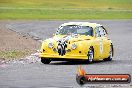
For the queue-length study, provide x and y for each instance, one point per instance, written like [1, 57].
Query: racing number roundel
[101, 46]
[101, 39]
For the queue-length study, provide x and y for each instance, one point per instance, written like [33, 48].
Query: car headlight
[50, 45]
[73, 46]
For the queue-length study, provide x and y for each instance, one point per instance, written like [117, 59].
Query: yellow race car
[77, 41]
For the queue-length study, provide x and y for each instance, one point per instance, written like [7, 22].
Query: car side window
[98, 32]
[102, 31]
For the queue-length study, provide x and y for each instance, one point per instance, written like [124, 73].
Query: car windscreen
[75, 29]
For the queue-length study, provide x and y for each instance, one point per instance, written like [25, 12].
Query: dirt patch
[14, 45]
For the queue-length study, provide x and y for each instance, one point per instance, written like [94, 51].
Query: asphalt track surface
[62, 74]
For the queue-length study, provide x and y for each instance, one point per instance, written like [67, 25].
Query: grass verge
[64, 14]
[14, 54]
[65, 9]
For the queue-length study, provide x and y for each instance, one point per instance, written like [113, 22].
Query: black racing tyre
[45, 61]
[110, 54]
[90, 55]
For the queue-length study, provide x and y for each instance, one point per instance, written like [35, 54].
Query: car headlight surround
[50, 45]
[73, 46]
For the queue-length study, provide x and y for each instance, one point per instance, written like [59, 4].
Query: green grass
[65, 9]
[64, 14]
[12, 54]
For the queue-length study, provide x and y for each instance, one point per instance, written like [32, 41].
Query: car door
[104, 44]
[98, 45]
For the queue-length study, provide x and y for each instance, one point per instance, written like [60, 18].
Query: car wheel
[110, 54]
[45, 61]
[90, 55]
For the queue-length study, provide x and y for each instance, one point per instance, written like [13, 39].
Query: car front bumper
[64, 57]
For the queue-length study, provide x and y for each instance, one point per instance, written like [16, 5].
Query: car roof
[82, 24]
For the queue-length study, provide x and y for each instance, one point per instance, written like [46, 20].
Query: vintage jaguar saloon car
[77, 41]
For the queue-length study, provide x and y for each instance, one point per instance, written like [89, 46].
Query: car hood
[69, 38]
